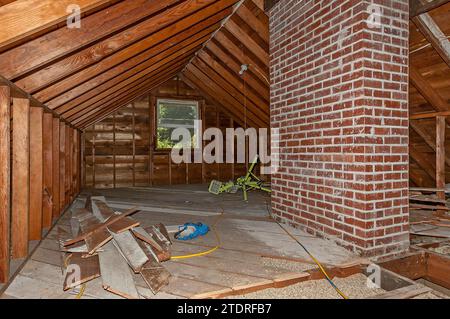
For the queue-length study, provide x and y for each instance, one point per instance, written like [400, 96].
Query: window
[173, 114]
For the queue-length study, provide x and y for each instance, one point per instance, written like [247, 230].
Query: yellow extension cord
[83, 287]
[322, 269]
[207, 252]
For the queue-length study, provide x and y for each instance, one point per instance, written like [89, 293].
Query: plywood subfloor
[254, 250]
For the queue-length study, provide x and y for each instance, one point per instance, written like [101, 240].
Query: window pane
[173, 114]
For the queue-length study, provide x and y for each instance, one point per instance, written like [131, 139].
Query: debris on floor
[113, 246]
[444, 250]
[355, 287]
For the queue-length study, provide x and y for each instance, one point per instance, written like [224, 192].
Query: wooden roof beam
[220, 95]
[251, 108]
[417, 7]
[47, 48]
[250, 78]
[123, 90]
[211, 99]
[208, 16]
[431, 31]
[101, 115]
[23, 18]
[88, 88]
[248, 41]
[88, 56]
[131, 75]
[234, 80]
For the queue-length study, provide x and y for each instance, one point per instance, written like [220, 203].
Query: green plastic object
[247, 183]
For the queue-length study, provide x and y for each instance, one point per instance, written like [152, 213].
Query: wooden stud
[36, 173]
[20, 177]
[47, 198]
[440, 155]
[62, 166]
[5, 181]
[56, 207]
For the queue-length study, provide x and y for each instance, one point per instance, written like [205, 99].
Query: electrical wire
[322, 269]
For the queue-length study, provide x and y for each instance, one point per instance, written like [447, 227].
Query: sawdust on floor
[445, 249]
[287, 264]
[355, 287]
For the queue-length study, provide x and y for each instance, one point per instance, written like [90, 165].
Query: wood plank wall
[120, 150]
[29, 205]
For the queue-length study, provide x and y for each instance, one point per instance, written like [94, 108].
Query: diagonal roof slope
[123, 50]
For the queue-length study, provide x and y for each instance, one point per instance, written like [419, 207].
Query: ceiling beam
[63, 41]
[416, 7]
[23, 18]
[131, 66]
[124, 90]
[97, 117]
[208, 16]
[132, 74]
[431, 31]
[427, 91]
[100, 50]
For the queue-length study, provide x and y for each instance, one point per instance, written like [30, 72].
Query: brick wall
[339, 96]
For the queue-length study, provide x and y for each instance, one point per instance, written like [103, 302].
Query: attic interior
[341, 178]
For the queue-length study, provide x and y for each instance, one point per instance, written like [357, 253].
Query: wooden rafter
[431, 31]
[130, 77]
[89, 79]
[23, 18]
[124, 98]
[418, 7]
[63, 41]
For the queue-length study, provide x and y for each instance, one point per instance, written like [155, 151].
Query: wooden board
[97, 239]
[116, 274]
[130, 250]
[156, 278]
[110, 221]
[122, 225]
[80, 270]
[142, 234]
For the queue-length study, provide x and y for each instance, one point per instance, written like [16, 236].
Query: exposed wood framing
[47, 198]
[20, 177]
[36, 177]
[23, 18]
[418, 7]
[5, 181]
[434, 35]
[440, 155]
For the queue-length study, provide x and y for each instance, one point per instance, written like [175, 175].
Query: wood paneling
[120, 150]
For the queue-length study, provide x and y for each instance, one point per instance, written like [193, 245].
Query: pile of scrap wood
[113, 246]
[429, 213]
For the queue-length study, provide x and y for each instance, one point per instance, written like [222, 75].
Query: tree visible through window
[173, 114]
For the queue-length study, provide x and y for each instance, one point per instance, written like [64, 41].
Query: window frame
[180, 100]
